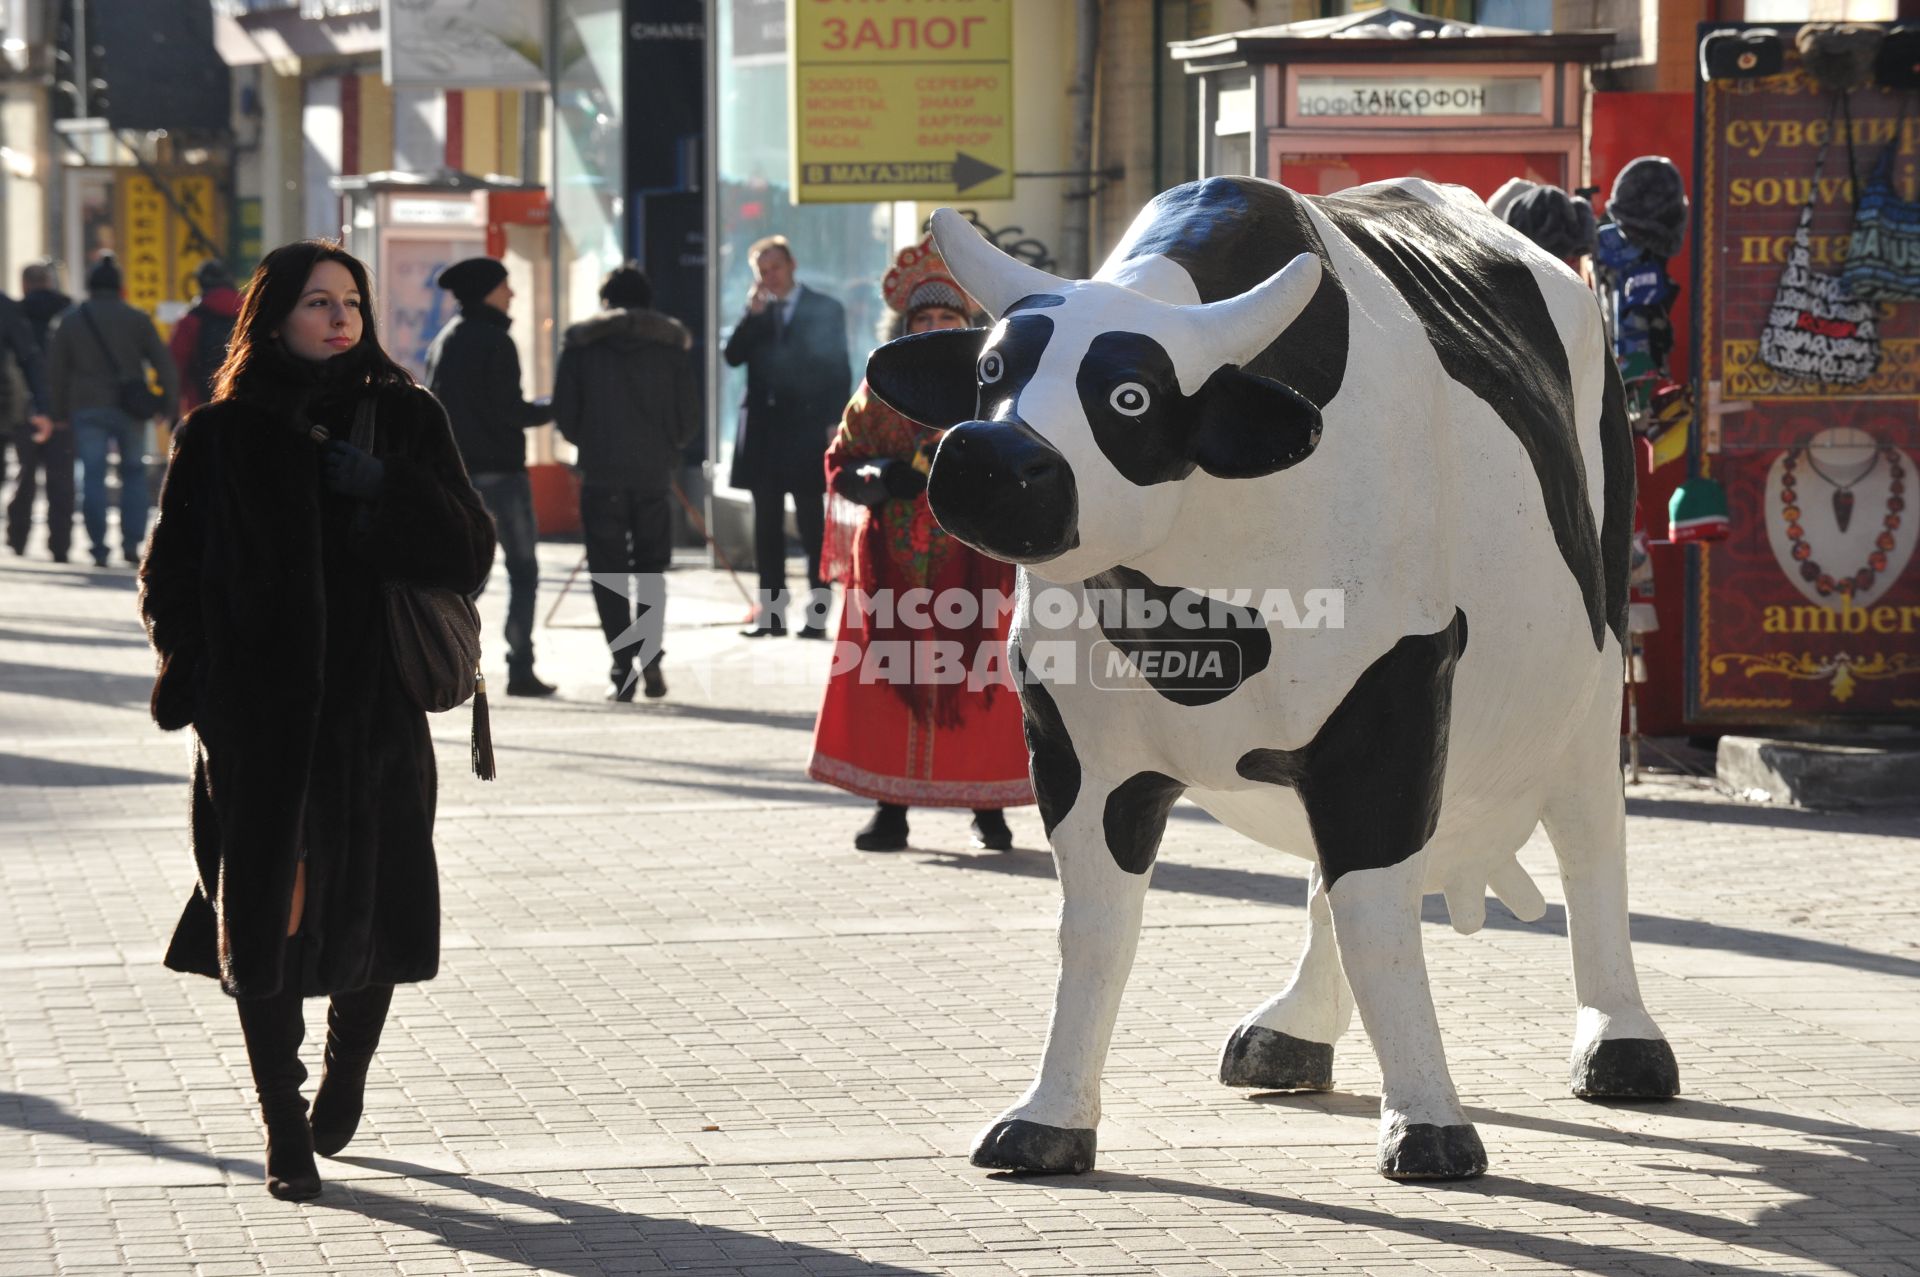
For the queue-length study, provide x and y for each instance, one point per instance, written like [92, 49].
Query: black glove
[904, 483]
[351, 472]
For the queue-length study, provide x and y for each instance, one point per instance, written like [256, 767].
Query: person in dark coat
[793, 341]
[313, 780]
[474, 369]
[23, 385]
[624, 395]
[42, 446]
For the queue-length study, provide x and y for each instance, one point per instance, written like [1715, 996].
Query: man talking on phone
[793, 341]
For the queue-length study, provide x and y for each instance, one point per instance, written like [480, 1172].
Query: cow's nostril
[1034, 469]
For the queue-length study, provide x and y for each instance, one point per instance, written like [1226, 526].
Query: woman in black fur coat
[313, 779]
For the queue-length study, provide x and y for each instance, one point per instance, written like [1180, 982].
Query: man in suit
[793, 341]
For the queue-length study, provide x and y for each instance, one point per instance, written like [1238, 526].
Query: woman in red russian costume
[901, 740]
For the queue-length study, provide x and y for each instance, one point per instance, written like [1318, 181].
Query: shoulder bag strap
[87, 314]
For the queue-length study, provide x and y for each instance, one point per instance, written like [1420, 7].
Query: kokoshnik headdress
[920, 278]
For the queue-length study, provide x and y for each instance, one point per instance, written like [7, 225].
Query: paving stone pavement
[681, 1025]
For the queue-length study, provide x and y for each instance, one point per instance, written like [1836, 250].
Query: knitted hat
[471, 280]
[1554, 220]
[104, 277]
[1649, 204]
[1698, 512]
[920, 279]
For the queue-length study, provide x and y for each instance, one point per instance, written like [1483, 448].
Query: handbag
[1883, 260]
[1815, 329]
[434, 634]
[130, 394]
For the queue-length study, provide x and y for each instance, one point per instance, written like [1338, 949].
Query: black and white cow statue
[1386, 393]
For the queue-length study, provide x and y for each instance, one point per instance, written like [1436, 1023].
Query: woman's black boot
[990, 832]
[354, 1021]
[887, 831]
[273, 1027]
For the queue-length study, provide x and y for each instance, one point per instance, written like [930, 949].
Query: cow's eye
[1130, 399]
[992, 367]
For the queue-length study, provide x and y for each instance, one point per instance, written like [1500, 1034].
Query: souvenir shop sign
[1810, 611]
[901, 99]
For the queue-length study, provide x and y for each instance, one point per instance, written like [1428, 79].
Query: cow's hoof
[1269, 1060]
[1421, 1150]
[1626, 1069]
[1029, 1147]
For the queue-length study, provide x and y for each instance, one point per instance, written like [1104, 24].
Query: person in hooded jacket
[263, 593]
[473, 368]
[624, 395]
[199, 341]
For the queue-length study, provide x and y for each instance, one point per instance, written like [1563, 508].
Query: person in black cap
[474, 370]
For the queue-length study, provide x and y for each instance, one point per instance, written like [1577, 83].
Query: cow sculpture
[1411, 406]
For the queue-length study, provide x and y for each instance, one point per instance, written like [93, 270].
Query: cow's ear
[929, 377]
[1251, 426]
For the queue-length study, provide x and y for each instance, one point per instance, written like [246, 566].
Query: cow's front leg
[1103, 850]
[1618, 1051]
[1287, 1043]
[1424, 1134]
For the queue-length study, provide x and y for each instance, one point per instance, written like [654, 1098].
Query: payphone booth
[1331, 103]
[407, 229]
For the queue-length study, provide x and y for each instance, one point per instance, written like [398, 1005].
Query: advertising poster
[1810, 610]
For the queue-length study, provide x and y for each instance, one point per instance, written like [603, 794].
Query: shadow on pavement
[581, 1240]
[574, 1239]
[1880, 824]
[117, 577]
[1284, 889]
[48, 773]
[107, 639]
[93, 687]
[1829, 1184]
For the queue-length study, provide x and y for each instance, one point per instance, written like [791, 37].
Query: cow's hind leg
[1287, 1043]
[1424, 1133]
[1103, 849]
[1618, 1051]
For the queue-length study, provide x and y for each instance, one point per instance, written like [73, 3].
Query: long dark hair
[271, 295]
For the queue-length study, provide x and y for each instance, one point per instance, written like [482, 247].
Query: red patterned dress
[914, 743]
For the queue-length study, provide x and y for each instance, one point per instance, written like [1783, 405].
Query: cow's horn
[990, 277]
[1241, 327]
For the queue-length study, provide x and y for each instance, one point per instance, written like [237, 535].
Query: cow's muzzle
[1005, 491]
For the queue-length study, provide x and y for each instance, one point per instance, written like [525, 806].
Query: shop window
[840, 249]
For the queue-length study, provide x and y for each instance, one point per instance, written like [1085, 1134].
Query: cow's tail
[1617, 496]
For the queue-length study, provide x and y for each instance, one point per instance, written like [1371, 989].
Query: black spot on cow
[1616, 501]
[1370, 779]
[1489, 324]
[1140, 616]
[1236, 426]
[1054, 766]
[1231, 233]
[1136, 817]
[1036, 301]
[1007, 363]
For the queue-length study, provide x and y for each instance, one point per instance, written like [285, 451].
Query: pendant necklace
[1862, 579]
[1842, 492]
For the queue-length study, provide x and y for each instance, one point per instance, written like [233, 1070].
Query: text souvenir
[1809, 377]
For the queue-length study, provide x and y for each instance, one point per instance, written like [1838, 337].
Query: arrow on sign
[963, 173]
[969, 172]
